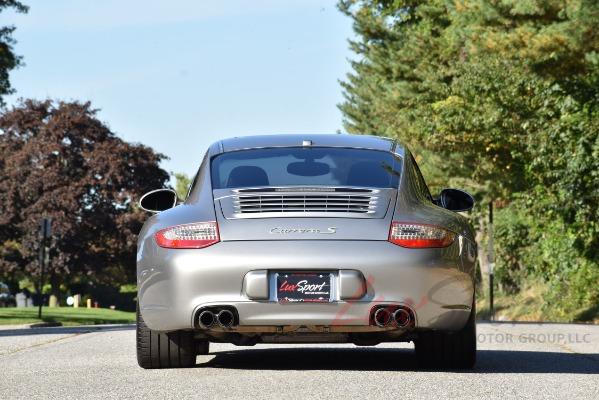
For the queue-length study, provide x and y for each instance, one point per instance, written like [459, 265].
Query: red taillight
[418, 236]
[189, 236]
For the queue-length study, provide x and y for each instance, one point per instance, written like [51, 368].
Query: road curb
[44, 325]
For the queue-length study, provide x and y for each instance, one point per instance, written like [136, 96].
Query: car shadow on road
[373, 359]
[65, 330]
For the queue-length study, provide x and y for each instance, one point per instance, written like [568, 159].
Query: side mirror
[158, 200]
[455, 200]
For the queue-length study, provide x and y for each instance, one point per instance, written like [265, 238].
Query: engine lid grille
[305, 202]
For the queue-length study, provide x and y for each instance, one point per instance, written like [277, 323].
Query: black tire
[164, 350]
[448, 349]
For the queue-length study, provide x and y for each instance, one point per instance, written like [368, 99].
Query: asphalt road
[522, 360]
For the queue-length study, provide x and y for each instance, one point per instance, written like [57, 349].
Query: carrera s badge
[286, 231]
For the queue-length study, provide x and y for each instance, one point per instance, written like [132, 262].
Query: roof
[339, 140]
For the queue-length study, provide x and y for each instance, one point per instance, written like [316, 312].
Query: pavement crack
[51, 341]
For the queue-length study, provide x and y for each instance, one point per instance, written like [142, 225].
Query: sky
[179, 75]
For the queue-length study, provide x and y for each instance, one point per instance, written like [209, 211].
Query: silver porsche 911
[306, 239]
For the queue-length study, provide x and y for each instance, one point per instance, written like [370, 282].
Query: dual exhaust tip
[224, 318]
[399, 317]
[386, 316]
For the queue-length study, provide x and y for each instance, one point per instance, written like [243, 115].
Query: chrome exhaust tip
[402, 318]
[206, 319]
[382, 317]
[225, 318]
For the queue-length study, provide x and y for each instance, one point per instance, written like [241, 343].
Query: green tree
[182, 183]
[505, 94]
[8, 60]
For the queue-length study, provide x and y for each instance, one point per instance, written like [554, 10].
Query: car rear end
[306, 243]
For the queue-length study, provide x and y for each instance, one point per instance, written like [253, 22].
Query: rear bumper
[174, 284]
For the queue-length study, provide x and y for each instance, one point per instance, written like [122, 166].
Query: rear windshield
[300, 166]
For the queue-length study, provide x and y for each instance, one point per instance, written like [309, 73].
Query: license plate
[304, 287]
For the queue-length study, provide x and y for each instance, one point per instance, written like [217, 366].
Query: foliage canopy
[58, 160]
[505, 94]
[8, 59]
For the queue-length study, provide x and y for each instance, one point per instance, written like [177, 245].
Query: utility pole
[44, 255]
[491, 258]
